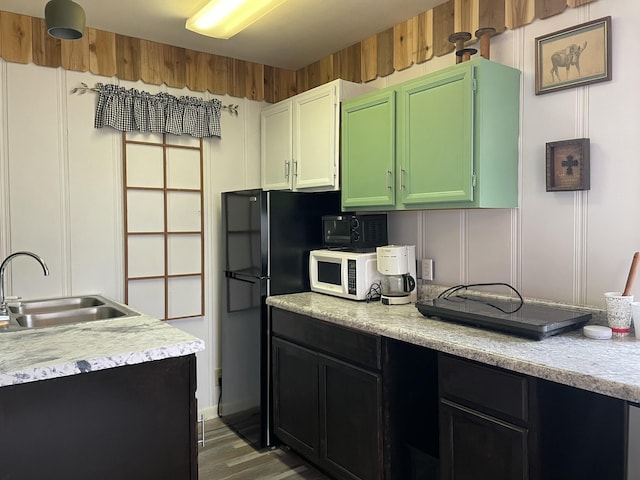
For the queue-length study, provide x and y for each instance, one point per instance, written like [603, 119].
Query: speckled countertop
[610, 367]
[39, 354]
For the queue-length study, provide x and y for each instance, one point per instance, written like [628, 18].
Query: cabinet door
[350, 420]
[368, 150]
[315, 136]
[474, 446]
[295, 396]
[276, 146]
[131, 422]
[435, 135]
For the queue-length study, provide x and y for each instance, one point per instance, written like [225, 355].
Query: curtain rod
[233, 109]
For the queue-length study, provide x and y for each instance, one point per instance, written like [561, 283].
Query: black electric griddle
[530, 320]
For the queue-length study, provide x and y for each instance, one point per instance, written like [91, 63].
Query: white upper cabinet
[300, 145]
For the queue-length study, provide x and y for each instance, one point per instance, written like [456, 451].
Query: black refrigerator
[266, 239]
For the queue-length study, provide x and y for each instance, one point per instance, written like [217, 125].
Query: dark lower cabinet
[496, 424]
[128, 423]
[484, 422]
[583, 435]
[363, 407]
[350, 419]
[476, 446]
[327, 391]
[295, 397]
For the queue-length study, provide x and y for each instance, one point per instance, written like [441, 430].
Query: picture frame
[568, 165]
[574, 57]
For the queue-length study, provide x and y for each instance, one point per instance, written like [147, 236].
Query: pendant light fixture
[65, 19]
[225, 18]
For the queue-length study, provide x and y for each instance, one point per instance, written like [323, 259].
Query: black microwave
[355, 231]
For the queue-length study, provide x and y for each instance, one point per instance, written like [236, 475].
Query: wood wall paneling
[174, 72]
[196, 70]
[491, 14]
[340, 65]
[302, 79]
[424, 37]
[254, 76]
[443, 26]
[128, 58]
[354, 63]
[385, 52]
[287, 83]
[313, 77]
[347, 64]
[75, 54]
[577, 3]
[519, 13]
[326, 70]
[548, 8]
[23, 39]
[47, 51]
[270, 84]
[316, 74]
[369, 58]
[465, 17]
[17, 37]
[218, 74]
[102, 52]
[404, 44]
[151, 62]
[237, 78]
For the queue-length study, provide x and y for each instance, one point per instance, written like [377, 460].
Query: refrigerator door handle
[243, 277]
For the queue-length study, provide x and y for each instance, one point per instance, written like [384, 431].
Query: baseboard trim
[208, 413]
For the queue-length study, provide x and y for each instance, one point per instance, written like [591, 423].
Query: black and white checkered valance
[129, 110]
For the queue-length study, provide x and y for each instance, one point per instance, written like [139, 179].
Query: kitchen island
[103, 399]
[462, 401]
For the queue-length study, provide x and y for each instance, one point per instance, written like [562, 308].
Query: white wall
[61, 193]
[563, 246]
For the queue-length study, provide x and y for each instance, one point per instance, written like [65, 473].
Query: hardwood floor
[226, 456]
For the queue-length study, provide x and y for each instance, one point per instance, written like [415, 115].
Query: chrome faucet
[3, 265]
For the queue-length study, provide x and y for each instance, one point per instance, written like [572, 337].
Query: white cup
[618, 313]
[635, 313]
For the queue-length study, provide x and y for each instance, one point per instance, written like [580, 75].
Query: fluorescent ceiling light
[225, 18]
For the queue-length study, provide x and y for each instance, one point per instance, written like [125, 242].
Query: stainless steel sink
[52, 305]
[33, 320]
[65, 310]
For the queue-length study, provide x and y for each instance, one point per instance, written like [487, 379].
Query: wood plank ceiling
[23, 39]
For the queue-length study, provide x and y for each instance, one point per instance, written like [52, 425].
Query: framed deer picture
[574, 56]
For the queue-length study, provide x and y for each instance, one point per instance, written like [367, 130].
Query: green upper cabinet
[368, 141]
[435, 129]
[452, 142]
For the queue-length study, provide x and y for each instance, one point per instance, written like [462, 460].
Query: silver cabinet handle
[387, 178]
[287, 167]
[402, 178]
[295, 168]
[202, 430]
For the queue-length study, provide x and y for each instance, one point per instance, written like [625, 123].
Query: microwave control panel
[351, 277]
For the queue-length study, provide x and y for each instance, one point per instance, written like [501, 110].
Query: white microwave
[349, 275]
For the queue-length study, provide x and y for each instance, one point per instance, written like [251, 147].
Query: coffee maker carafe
[397, 264]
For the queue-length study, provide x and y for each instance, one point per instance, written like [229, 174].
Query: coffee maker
[397, 264]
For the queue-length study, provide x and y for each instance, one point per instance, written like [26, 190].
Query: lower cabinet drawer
[359, 348]
[484, 388]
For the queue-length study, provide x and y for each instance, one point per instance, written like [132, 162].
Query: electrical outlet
[427, 269]
[218, 376]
